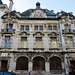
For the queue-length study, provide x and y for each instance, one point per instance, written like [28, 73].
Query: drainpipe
[62, 46]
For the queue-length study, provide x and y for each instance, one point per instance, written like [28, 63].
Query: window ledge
[38, 48]
[54, 48]
[5, 48]
[23, 48]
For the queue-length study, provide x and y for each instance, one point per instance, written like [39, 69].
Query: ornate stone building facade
[37, 40]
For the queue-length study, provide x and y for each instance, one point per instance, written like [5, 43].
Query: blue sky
[56, 5]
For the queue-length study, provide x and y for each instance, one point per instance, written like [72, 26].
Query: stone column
[11, 63]
[30, 28]
[14, 66]
[66, 64]
[30, 66]
[47, 68]
[62, 63]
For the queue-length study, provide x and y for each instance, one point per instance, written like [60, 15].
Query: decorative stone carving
[38, 34]
[24, 34]
[52, 34]
[38, 14]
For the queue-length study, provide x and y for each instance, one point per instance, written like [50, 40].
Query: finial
[37, 5]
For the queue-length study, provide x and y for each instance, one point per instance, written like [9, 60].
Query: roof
[28, 12]
[1, 2]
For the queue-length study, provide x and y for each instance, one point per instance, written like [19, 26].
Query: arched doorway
[38, 63]
[55, 65]
[22, 63]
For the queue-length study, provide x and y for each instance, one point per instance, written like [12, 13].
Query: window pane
[23, 42]
[9, 27]
[27, 28]
[38, 42]
[70, 41]
[22, 28]
[67, 26]
[41, 28]
[53, 43]
[49, 28]
[7, 41]
[55, 28]
[36, 28]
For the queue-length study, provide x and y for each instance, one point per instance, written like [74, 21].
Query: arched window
[22, 63]
[38, 63]
[55, 63]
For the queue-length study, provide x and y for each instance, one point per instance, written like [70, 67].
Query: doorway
[4, 65]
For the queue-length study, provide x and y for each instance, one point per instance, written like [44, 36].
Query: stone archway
[38, 63]
[22, 63]
[55, 64]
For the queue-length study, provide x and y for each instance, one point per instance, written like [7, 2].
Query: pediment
[12, 15]
[24, 34]
[38, 34]
[53, 34]
[38, 13]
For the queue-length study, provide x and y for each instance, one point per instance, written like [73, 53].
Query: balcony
[8, 31]
[68, 31]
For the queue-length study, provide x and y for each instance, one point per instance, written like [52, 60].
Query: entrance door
[72, 67]
[4, 65]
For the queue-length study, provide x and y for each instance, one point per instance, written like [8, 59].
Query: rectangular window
[53, 42]
[9, 28]
[38, 42]
[67, 26]
[7, 42]
[23, 42]
[27, 28]
[70, 41]
[55, 28]
[22, 28]
[49, 28]
[41, 28]
[36, 28]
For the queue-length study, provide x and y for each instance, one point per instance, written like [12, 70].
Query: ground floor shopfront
[38, 63]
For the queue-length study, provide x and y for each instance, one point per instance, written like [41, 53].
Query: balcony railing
[8, 31]
[68, 31]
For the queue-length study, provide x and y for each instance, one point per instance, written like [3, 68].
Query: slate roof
[1, 2]
[28, 12]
